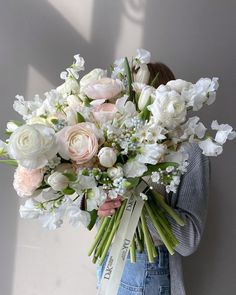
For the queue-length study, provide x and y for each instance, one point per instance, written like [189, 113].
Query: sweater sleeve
[191, 202]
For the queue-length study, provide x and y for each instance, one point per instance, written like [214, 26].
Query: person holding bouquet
[190, 201]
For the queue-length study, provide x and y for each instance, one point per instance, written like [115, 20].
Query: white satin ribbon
[120, 248]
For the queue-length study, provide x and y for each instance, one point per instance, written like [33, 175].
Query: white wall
[37, 41]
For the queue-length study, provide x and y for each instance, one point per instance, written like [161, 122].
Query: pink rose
[105, 88]
[78, 143]
[104, 112]
[27, 181]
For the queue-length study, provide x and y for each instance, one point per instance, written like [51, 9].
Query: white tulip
[107, 157]
[58, 181]
[143, 74]
[145, 96]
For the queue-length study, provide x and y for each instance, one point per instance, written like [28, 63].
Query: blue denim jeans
[142, 277]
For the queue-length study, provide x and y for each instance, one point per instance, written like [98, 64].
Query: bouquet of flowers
[98, 137]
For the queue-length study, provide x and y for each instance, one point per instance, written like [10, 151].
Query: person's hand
[108, 208]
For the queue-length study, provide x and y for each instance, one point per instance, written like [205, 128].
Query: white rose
[115, 172]
[168, 109]
[143, 74]
[145, 97]
[107, 157]
[70, 86]
[91, 77]
[33, 145]
[58, 181]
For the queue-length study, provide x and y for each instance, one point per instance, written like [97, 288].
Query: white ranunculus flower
[134, 168]
[29, 210]
[115, 172]
[94, 75]
[210, 148]
[107, 157]
[224, 132]
[142, 75]
[33, 145]
[58, 181]
[178, 85]
[70, 86]
[145, 97]
[168, 109]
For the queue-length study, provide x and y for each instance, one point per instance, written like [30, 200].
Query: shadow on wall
[34, 33]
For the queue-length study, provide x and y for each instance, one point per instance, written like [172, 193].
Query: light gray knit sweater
[190, 201]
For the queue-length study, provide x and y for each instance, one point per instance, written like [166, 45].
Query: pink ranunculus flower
[104, 112]
[78, 143]
[105, 88]
[27, 181]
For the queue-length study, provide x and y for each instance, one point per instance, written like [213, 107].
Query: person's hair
[165, 73]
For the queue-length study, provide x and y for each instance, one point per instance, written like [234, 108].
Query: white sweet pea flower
[224, 132]
[53, 102]
[91, 77]
[107, 157]
[27, 109]
[73, 71]
[51, 220]
[143, 57]
[33, 145]
[29, 210]
[118, 69]
[58, 181]
[11, 126]
[151, 132]
[142, 75]
[95, 198]
[150, 153]
[181, 157]
[133, 168]
[193, 127]
[204, 91]
[145, 97]
[168, 109]
[76, 216]
[124, 107]
[70, 86]
[210, 148]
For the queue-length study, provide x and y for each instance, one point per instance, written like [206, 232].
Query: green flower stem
[132, 252]
[139, 241]
[113, 231]
[160, 201]
[105, 236]
[147, 238]
[129, 79]
[160, 231]
[103, 225]
[141, 234]
[160, 217]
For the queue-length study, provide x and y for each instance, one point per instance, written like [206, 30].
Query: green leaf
[93, 215]
[9, 162]
[162, 166]
[70, 176]
[68, 191]
[54, 121]
[132, 182]
[129, 79]
[80, 118]
[155, 80]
